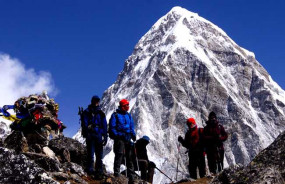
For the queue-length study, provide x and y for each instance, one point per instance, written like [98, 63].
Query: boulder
[48, 164]
[16, 141]
[73, 168]
[77, 151]
[48, 152]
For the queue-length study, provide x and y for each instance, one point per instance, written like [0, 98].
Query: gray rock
[67, 177]
[77, 150]
[73, 168]
[19, 169]
[267, 167]
[48, 164]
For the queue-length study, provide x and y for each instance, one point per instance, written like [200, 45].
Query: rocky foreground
[63, 160]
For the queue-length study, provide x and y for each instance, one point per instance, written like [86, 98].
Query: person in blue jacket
[121, 129]
[94, 130]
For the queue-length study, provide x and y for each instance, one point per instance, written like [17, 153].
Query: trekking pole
[177, 161]
[126, 162]
[219, 161]
[136, 157]
[164, 174]
[80, 112]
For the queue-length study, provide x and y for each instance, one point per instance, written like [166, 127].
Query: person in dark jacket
[215, 135]
[94, 129]
[122, 130]
[145, 166]
[193, 141]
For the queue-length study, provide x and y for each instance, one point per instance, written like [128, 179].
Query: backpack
[110, 132]
[84, 128]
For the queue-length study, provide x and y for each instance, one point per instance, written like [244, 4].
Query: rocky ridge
[267, 167]
[62, 161]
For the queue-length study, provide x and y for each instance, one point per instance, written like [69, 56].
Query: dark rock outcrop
[48, 164]
[17, 142]
[267, 167]
[76, 150]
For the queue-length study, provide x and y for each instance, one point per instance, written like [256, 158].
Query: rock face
[63, 146]
[267, 167]
[185, 66]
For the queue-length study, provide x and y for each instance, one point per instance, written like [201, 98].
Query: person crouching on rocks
[145, 165]
[193, 141]
[95, 131]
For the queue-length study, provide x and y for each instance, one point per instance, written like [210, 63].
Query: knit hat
[124, 102]
[192, 122]
[212, 114]
[146, 138]
[95, 98]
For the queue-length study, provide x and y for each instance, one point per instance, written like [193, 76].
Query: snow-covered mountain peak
[185, 66]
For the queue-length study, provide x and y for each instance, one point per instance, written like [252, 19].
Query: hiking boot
[99, 176]
[90, 173]
[117, 175]
[134, 181]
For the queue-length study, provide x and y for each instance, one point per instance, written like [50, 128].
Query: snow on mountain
[185, 66]
[4, 127]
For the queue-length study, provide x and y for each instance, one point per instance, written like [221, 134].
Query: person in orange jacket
[194, 142]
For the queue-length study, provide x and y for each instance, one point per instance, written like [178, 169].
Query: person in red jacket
[215, 135]
[193, 141]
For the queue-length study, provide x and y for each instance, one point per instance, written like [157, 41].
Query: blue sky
[83, 44]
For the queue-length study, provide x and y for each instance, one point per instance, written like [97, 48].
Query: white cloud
[17, 81]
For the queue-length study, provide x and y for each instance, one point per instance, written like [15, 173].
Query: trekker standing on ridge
[215, 135]
[121, 130]
[194, 142]
[145, 166]
[94, 129]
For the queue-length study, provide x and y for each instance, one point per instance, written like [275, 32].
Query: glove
[104, 142]
[5, 107]
[152, 165]
[134, 138]
[180, 139]
[90, 127]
